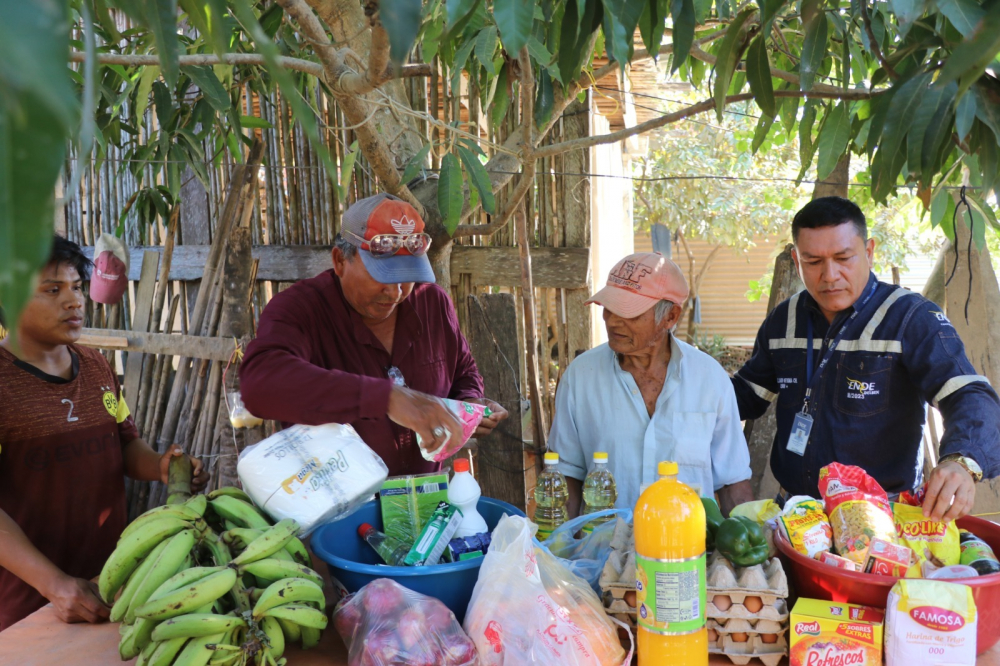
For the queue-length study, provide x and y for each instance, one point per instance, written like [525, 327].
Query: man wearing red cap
[374, 342]
[645, 396]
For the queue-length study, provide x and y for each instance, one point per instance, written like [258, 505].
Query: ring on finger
[438, 431]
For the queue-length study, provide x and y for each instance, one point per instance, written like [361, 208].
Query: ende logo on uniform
[858, 390]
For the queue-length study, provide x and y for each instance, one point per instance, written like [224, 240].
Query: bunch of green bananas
[210, 580]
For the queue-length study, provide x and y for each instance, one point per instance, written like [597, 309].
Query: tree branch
[694, 109]
[876, 49]
[710, 59]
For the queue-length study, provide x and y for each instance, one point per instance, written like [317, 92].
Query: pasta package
[931, 541]
[805, 525]
[859, 510]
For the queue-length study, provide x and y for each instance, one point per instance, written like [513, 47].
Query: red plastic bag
[859, 510]
[385, 624]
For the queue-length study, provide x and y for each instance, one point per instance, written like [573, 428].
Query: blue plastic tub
[354, 564]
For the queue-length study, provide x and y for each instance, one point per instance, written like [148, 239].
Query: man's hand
[77, 600]
[487, 425]
[199, 475]
[951, 491]
[422, 414]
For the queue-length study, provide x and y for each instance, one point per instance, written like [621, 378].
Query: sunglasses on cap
[386, 245]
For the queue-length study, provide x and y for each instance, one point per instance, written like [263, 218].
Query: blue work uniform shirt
[868, 405]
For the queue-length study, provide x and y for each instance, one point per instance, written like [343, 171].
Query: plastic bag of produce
[932, 542]
[858, 508]
[528, 608]
[385, 624]
[470, 415]
[759, 511]
[805, 526]
[586, 556]
[313, 474]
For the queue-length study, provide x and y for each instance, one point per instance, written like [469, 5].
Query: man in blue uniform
[852, 362]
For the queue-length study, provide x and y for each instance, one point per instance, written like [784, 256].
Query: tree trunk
[835, 185]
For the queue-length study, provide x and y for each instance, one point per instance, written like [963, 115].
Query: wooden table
[42, 640]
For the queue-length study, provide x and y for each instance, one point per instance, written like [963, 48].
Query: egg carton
[777, 612]
[767, 581]
[743, 651]
[619, 599]
[619, 569]
[759, 627]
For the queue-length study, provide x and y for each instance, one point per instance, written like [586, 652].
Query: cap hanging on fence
[110, 278]
[640, 281]
[386, 215]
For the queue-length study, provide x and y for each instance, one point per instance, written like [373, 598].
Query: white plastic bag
[528, 608]
[313, 474]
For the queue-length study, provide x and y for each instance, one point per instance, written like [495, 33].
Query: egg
[713, 635]
[753, 604]
[769, 638]
[722, 602]
[740, 637]
[630, 599]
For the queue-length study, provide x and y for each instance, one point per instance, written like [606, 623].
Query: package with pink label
[470, 415]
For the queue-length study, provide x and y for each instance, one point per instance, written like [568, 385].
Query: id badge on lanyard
[802, 425]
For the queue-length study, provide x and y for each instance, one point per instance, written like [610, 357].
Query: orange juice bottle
[670, 573]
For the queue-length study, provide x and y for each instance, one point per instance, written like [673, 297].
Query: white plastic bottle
[464, 494]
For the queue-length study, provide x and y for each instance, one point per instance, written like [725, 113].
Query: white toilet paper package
[312, 474]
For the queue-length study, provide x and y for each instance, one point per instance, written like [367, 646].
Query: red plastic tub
[815, 580]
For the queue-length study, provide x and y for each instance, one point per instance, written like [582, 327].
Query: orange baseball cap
[640, 281]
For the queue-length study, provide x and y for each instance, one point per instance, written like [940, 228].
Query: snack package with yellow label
[805, 526]
[930, 622]
[930, 541]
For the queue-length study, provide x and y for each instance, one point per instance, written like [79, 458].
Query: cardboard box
[887, 559]
[837, 561]
[826, 632]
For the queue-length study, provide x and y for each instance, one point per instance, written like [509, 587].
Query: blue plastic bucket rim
[385, 570]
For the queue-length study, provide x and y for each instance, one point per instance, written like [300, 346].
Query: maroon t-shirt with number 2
[61, 468]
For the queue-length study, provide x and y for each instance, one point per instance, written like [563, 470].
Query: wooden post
[140, 322]
[760, 433]
[493, 339]
[979, 331]
[576, 220]
[531, 354]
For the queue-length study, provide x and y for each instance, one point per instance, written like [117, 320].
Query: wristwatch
[970, 465]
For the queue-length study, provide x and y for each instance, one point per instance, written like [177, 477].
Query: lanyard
[810, 378]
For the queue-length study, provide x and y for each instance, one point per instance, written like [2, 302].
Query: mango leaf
[728, 55]
[38, 111]
[515, 19]
[943, 204]
[270, 19]
[807, 148]
[479, 178]
[544, 99]
[161, 17]
[985, 210]
[449, 194]
[210, 87]
[149, 74]
[652, 25]
[683, 14]
[833, 140]
[964, 115]
[254, 122]
[907, 11]
[569, 60]
[768, 10]
[813, 51]
[987, 111]
[458, 9]
[932, 126]
[977, 218]
[461, 58]
[761, 131]
[401, 19]
[486, 44]
[416, 164]
[988, 160]
[623, 16]
[899, 117]
[347, 170]
[759, 76]
[965, 15]
[970, 58]
[501, 99]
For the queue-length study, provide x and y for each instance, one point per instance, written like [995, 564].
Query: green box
[408, 502]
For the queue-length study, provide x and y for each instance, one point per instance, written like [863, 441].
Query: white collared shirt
[695, 423]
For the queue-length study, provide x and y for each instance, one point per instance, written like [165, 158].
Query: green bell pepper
[713, 518]
[741, 541]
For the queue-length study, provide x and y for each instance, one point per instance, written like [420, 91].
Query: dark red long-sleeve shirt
[314, 361]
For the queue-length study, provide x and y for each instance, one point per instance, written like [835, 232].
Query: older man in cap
[374, 342]
[645, 396]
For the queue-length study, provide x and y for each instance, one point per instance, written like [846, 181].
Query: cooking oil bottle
[599, 491]
[670, 573]
[551, 496]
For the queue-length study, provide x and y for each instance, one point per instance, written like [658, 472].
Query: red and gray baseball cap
[110, 278]
[640, 281]
[386, 214]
